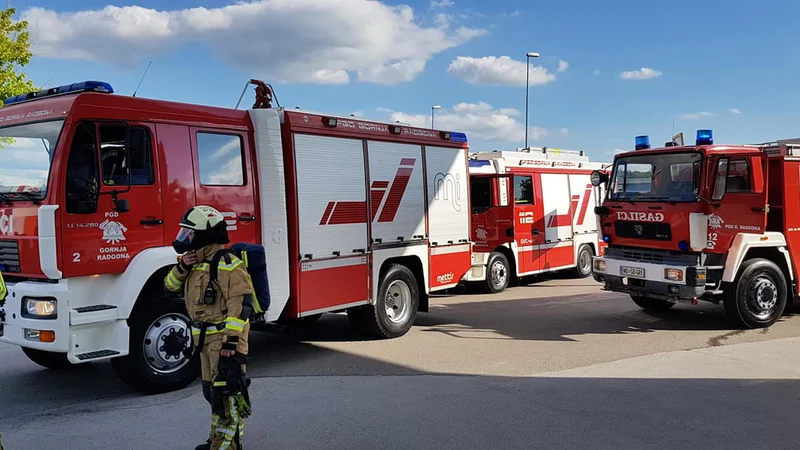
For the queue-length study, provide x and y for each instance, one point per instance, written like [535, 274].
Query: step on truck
[704, 222]
[532, 213]
[359, 216]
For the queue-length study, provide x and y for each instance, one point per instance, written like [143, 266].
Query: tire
[399, 293]
[49, 360]
[147, 368]
[652, 304]
[759, 295]
[498, 273]
[583, 263]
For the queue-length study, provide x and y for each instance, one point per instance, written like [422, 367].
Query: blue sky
[709, 60]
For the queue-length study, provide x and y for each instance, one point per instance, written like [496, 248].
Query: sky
[607, 71]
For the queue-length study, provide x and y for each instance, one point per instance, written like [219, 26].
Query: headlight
[37, 308]
[673, 274]
[595, 178]
[599, 265]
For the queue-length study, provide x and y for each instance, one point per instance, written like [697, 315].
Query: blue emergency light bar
[84, 86]
[458, 137]
[642, 142]
[704, 137]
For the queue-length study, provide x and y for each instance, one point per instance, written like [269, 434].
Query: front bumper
[648, 279]
[18, 330]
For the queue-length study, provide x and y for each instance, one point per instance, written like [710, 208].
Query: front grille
[663, 257]
[9, 257]
[643, 230]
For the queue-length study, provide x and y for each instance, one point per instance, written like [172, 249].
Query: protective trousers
[228, 411]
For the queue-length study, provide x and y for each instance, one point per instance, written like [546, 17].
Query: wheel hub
[165, 342]
[398, 301]
[498, 273]
[766, 294]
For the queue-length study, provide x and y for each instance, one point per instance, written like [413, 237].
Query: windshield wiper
[27, 195]
[657, 199]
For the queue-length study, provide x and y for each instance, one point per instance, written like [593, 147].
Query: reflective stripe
[220, 383]
[235, 324]
[173, 283]
[211, 329]
[256, 306]
[229, 267]
[3, 288]
[201, 266]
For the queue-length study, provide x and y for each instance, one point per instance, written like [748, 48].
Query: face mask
[183, 241]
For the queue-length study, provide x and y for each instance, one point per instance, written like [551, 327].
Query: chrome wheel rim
[164, 342]
[763, 297]
[498, 273]
[398, 302]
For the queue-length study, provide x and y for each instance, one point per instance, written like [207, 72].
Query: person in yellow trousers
[219, 300]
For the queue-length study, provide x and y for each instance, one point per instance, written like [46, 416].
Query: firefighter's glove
[218, 398]
[230, 370]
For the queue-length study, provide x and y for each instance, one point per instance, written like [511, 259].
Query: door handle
[246, 218]
[535, 231]
[151, 222]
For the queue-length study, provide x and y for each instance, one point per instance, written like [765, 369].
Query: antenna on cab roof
[143, 75]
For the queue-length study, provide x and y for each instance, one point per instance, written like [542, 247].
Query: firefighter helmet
[200, 226]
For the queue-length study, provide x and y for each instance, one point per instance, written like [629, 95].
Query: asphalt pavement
[554, 364]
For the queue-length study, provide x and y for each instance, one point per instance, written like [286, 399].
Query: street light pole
[433, 108]
[528, 57]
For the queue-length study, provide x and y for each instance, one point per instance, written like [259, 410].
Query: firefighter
[220, 315]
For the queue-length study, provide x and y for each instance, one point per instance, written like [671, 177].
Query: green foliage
[15, 53]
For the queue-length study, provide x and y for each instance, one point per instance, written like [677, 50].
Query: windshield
[26, 152]
[673, 177]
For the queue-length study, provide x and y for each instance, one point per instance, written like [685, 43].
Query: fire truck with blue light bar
[354, 215]
[532, 213]
[704, 222]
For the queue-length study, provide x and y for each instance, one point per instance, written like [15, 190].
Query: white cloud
[644, 73]
[497, 70]
[480, 121]
[615, 151]
[441, 4]
[564, 131]
[562, 65]
[596, 72]
[734, 111]
[696, 115]
[292, 41]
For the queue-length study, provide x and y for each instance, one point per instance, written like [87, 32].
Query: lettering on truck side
[640, 216]
[445, 278]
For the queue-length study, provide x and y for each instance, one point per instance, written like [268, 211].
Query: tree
[15, 53]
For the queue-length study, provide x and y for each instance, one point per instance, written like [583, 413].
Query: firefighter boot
[206, 446]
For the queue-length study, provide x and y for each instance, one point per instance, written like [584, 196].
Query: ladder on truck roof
[535, 153]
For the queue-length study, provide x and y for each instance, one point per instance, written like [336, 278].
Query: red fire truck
[531, 214]
[706, 222]
[355, 215]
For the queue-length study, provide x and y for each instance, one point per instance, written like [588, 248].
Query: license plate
[632, 271]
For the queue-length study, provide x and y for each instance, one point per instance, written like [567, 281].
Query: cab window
[82, 171]
[733, 176]
[523, 189]
[481, 194]
[112, 155]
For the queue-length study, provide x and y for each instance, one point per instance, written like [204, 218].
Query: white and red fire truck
[359, 216]
[710, 222]
[532, 213]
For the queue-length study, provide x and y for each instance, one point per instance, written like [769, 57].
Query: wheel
[394, 310]
[758, 297]
[498, 273]
[49, 360]
[159, 335]
[652, 304]
[583, 264]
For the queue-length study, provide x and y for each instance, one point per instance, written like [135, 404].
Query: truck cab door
[740, 196]
[96, 237]
[492, 213]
